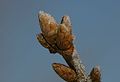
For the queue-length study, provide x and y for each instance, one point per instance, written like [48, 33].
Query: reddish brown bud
[42, 41]
[47, 23]
[95, 74]
[64, 39]
[45, 44]
[64, 72]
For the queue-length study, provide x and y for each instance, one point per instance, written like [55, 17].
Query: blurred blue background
[96, 25]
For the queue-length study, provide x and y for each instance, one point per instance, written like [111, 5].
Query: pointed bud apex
[66, 20]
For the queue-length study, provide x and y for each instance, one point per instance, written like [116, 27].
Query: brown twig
[58, 38]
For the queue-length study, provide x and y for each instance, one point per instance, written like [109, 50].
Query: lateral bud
[64, 72]
[95, 74]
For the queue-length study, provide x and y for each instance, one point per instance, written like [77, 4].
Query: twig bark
[58, 38]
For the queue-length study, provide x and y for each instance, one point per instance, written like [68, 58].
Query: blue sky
[96, 25]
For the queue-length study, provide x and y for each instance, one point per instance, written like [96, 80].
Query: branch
[58, 38]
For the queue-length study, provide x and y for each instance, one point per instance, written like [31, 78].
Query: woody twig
[58, 38]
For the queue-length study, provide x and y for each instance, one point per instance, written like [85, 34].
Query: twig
[58, 38]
